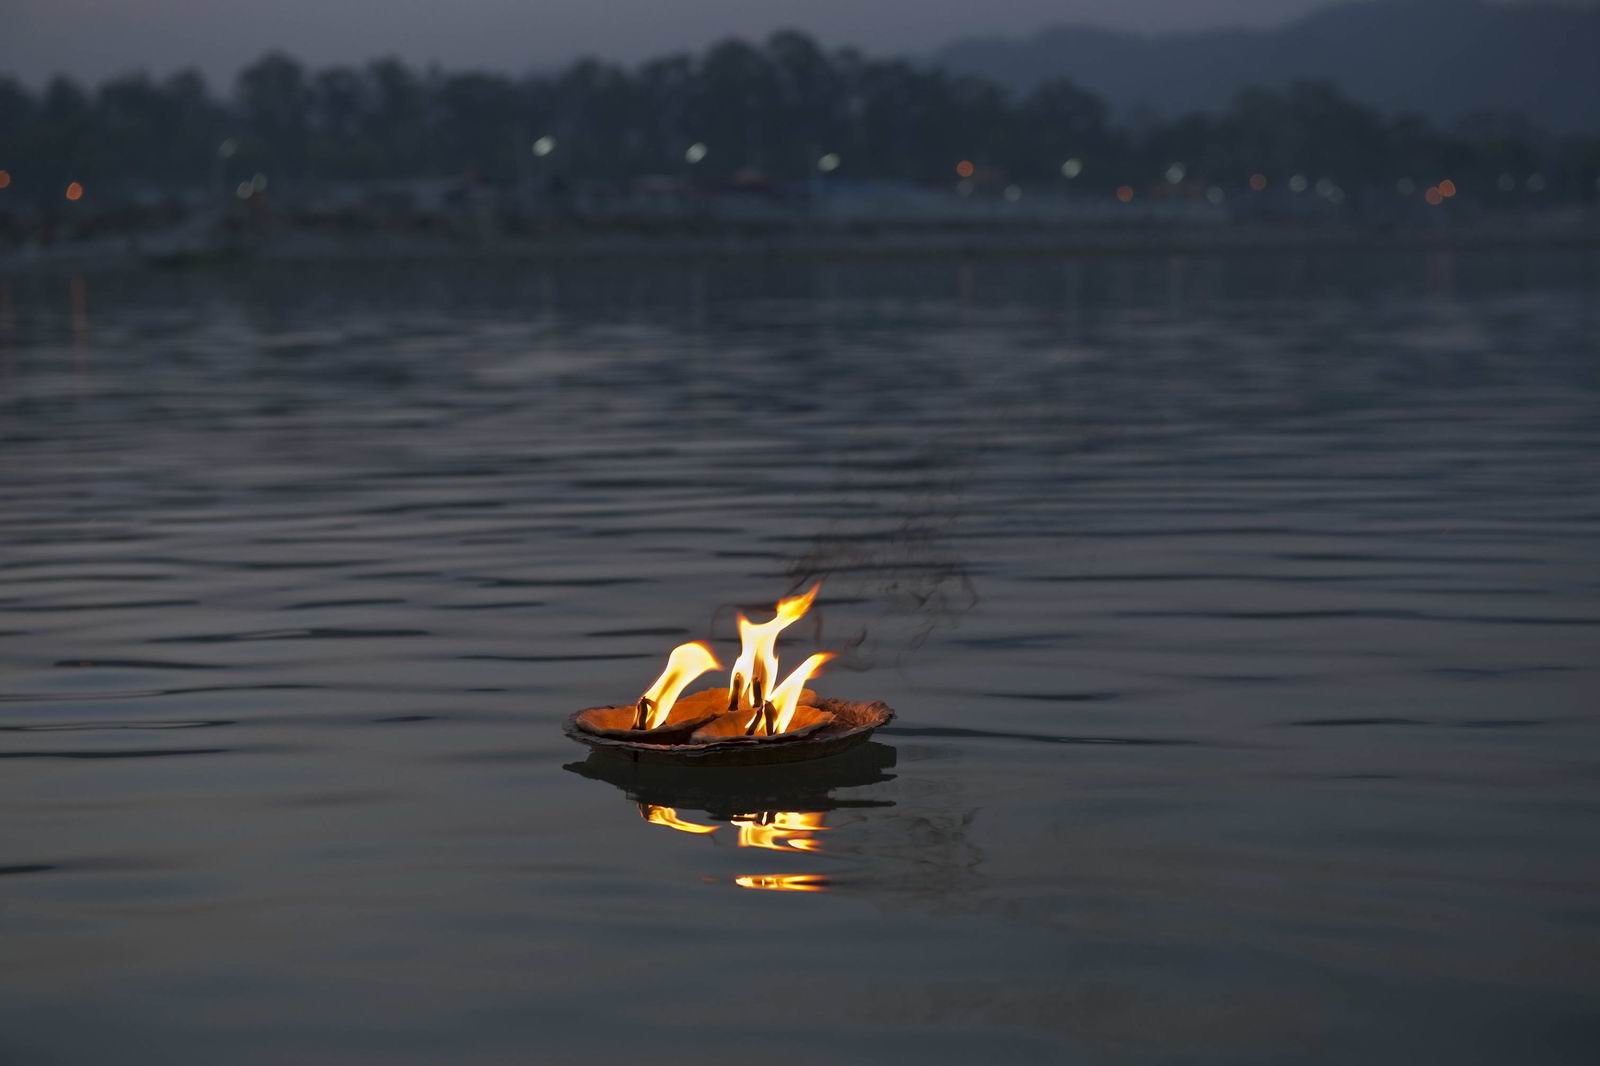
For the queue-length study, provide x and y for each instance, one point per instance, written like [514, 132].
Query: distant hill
[1440, 58]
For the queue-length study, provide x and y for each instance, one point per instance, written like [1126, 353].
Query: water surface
[1240, 614]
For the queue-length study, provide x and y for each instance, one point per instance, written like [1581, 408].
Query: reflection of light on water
[780, 830]
[775, 830]
[784, 882]
[667, 816]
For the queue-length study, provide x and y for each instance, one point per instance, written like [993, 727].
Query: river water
[1240, 615]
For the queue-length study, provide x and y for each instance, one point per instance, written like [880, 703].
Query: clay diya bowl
[687, 715]
[830, 727]
[730, 728]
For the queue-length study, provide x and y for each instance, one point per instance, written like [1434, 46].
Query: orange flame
[757, 664]
[784, 882]
[687, 662]
[668, 816]
[786, 697]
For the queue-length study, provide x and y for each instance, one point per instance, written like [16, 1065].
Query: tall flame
[687, 662]
[786, 697]
[757, 664]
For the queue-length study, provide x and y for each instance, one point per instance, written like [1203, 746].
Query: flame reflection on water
[772, 830]
[783, 882]
[780, 830]
[667, 816]
[775, 830]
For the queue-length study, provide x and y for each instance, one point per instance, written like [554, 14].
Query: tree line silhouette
[776, 108]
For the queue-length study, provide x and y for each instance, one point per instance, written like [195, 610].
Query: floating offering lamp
[754, 718]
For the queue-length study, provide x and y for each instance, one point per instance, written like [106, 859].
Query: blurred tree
[774, 107]
[340, 144]
[1059, 121]
[480, 127]
[274, 106]
[398, 119]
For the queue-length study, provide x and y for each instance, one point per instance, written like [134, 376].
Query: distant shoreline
[124, 252]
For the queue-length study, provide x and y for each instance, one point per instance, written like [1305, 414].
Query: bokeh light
[964, 168]
[1072, 168]
[1258, 182]
[695, 152]
[1125, 193]
[75, 191]
[544, 146]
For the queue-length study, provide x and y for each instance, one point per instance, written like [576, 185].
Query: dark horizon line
[922, 58]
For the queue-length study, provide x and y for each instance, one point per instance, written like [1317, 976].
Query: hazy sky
[94, 38]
